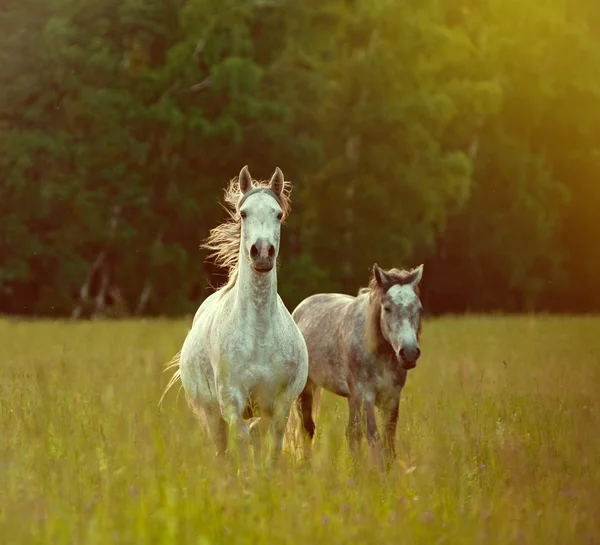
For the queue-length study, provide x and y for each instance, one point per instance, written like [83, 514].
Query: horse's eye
[243, 215]
[279, 216]
[387, 309]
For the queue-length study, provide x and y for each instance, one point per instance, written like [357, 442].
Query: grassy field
[498, 442]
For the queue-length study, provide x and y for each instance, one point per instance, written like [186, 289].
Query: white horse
[244, 351]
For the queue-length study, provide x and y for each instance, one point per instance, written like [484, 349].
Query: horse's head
[261, 215]
[400, 317]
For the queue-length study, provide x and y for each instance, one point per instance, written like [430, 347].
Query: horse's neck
[256, 293]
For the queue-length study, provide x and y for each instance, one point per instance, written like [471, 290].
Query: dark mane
[375, 293]
[223, 241]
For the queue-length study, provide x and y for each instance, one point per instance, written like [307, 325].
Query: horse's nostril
[254, 251]
[402, 353]
[418, 354]
[271, 251]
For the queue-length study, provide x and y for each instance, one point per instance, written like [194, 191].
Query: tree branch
[98, 264]
[206, 83]
[147, 290]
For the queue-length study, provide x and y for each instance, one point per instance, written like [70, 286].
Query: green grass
[498, 442]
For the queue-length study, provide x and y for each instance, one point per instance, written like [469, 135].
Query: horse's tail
[173, 364]
[295, 440]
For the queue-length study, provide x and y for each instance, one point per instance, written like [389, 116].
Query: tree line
[459, 134]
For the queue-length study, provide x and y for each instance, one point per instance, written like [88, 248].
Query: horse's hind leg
[306, 407]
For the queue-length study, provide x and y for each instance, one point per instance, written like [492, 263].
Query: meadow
[498, 442]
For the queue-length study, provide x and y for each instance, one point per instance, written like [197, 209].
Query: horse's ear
[277, 181]
[381, 277]
[418, 272]
[245, 180]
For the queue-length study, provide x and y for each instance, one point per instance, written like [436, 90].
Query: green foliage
[496, 444]
[532, 152]
[459, 134]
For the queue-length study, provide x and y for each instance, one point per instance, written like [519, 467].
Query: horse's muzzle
[262, 265]
[408, 365]
[408, 357]
[262, 254]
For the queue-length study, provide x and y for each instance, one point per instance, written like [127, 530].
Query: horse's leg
[390, 421]
[353, 431]
[306, 406]
[256, 425]
[277, 425]
[372, 433]
[238, 436]
[209, 417]
[217, 427]
[238, 439]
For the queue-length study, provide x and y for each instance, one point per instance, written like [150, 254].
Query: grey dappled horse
[361, 348]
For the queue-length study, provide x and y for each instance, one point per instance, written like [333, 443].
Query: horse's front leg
[277, 425]
[217, 428]
[254, 427]
[238, 437]
[372, 433]
[390, 422]
[354, 429]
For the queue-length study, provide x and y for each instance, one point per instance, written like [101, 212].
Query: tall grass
[498, 442]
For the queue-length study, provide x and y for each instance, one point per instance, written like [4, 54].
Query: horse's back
[315, 305]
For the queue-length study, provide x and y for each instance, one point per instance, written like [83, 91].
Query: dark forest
[462, 135]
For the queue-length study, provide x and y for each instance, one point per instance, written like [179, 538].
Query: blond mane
[223, 242]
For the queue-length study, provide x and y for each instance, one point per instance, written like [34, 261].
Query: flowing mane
[375, 293]
[223, 242]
